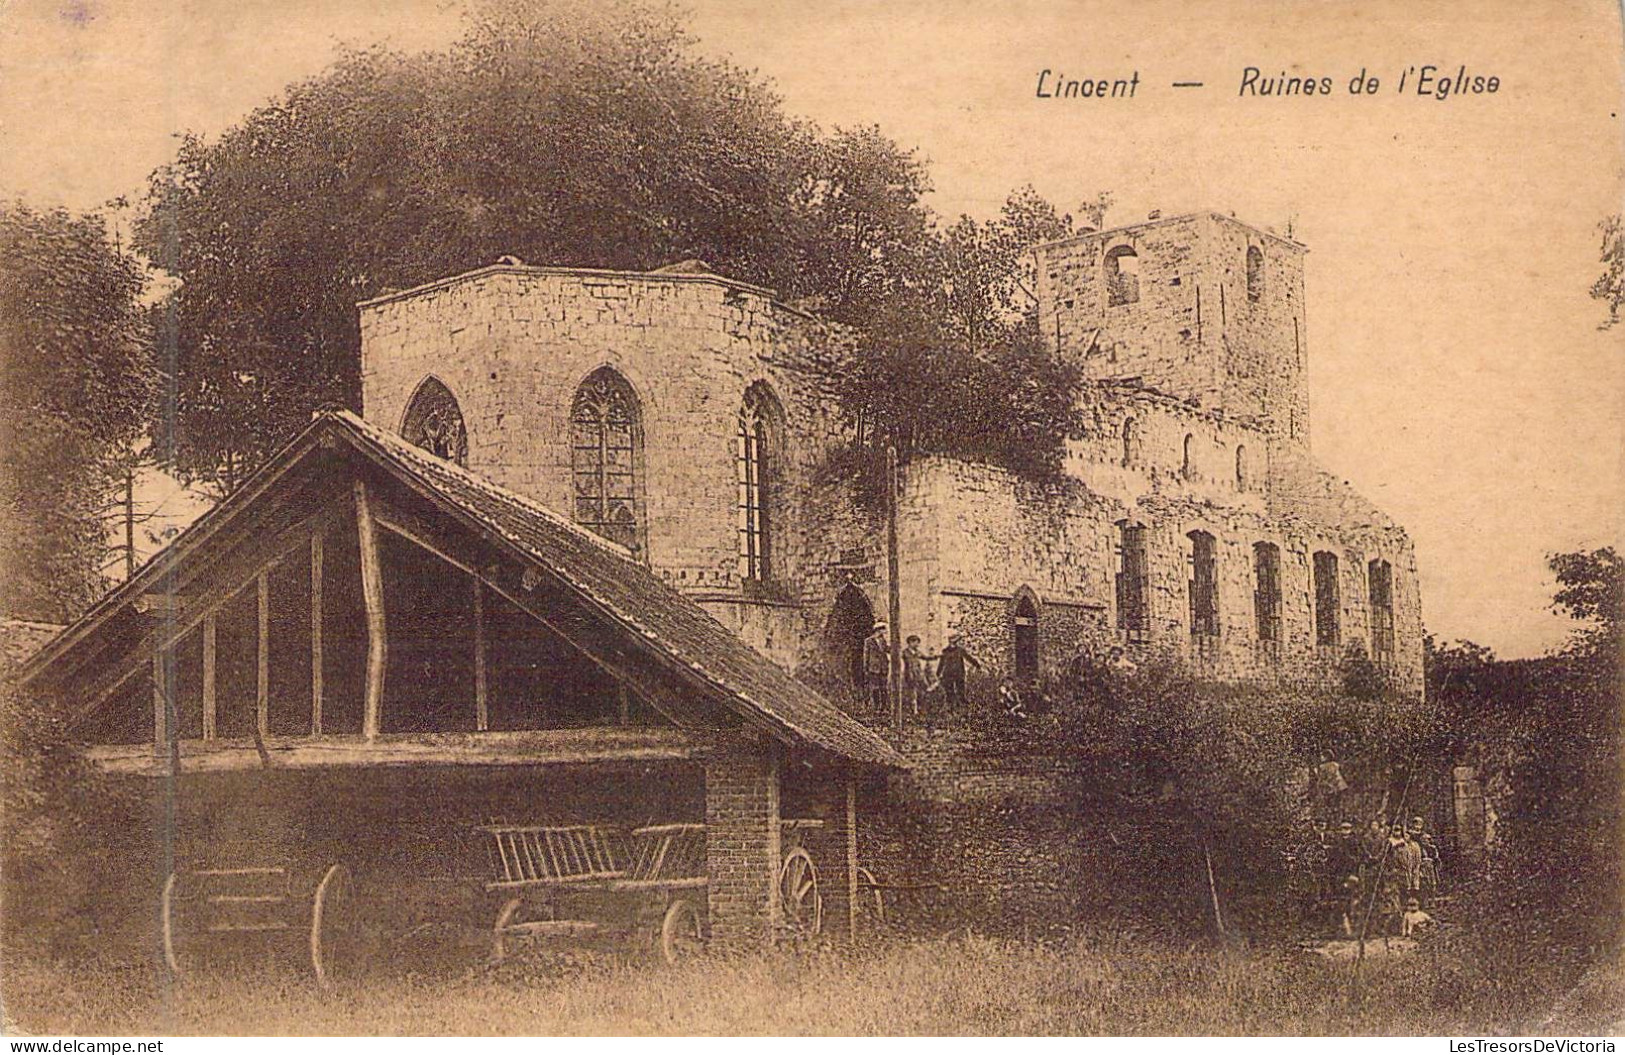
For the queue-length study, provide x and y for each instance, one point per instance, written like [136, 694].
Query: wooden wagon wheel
[871, 905]
[799, 899]
[682, 935]
[331, 922]
[499, 947]
[166, 918]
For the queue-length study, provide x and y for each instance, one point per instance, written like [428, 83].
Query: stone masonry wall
[1194, 331]
[512, 343]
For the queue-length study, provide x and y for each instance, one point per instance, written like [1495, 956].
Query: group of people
[919, 679]
[1389, 871]
[940, 677]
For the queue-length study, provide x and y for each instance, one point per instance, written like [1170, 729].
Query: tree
[953, 364]
[1591, 589]
[1610, 285]
[558, 131]
[75, 391]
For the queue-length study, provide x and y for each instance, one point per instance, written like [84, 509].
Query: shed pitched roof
[598, 572]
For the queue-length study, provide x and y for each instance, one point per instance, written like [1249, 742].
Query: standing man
[951, 672]
[877, 669]
[913, 674]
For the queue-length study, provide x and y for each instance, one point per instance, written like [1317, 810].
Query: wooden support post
[316, 558]
[262, 683]
[160, 706]
[482, 711]
[208, 676]
[852, 857]
[372, 591]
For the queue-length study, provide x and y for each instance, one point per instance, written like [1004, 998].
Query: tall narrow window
[1328, 600]
[1131, 442]
[1024, 627]
[1122, 275]
[1267, 594]
[434, 422]
[1243, 470]
[1133, 584]
[605, 437]
[1255, 273]
[1204, 589]
[1187, 464]
[754, 459]
[1381, 577]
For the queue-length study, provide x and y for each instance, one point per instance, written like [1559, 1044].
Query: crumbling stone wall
[1195, 330]
[512, 343]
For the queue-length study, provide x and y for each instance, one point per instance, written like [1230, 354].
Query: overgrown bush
[1203, 789]
[73, 861]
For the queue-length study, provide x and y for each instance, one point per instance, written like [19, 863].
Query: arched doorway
[850, 622]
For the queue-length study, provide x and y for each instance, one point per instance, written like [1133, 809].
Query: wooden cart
[590, 881]
[305, 913]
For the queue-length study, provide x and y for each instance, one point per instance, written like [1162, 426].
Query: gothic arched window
[1203, 587]
[1255, 273]
[434, 422]
[1131, 442]
[1024, 628]
[605, 448]
[754, 457]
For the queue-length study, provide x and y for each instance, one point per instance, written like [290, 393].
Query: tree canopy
[75, 388]
[550, 131]
[1610, 285]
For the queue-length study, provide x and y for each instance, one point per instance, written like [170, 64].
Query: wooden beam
[209, 627]
[160, 603]
[262, 683]
[160, 706]
[167, 633]
[581, 626]
[601, 745]
[852, 857]
[372, 590]
[482, 710]
[317, 557]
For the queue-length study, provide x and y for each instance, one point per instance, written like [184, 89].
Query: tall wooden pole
[482, 701]
[129, 524]
[894, 595]
[372, 592]
[318, 557]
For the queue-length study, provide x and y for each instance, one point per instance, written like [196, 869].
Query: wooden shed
[371, 668]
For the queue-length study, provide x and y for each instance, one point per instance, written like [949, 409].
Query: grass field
[961, 986]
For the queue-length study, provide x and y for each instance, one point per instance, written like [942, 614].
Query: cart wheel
[332, 924]
[871, 907]
[166, 918]
[803, 906]
[499, 948]
[681, 934]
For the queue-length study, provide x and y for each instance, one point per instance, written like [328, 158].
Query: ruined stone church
[684, 416]
[476, 616]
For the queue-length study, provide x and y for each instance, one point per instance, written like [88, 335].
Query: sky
[1457, 373]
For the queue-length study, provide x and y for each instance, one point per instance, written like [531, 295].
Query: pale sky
[1457, 374]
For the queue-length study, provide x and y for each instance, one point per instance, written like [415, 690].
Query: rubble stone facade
[1192, 331]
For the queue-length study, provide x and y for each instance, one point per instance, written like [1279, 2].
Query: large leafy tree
[74, 393]
[953, 362]
[558, 131]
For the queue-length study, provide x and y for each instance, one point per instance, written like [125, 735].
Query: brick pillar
[742, 848]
